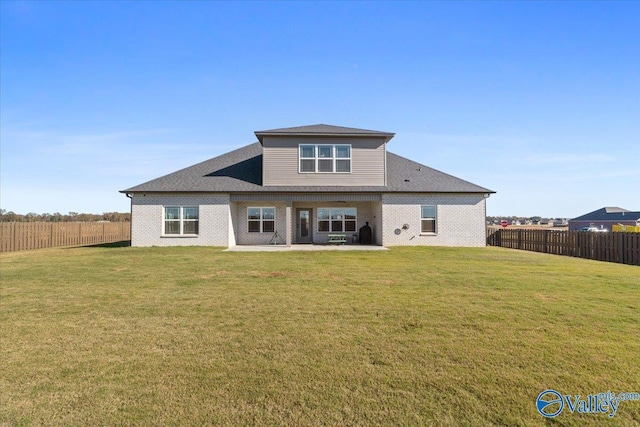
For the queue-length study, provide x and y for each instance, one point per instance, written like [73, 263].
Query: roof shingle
[609, 214]
[241, 171]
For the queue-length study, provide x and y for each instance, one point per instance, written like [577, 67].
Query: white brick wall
[376, 225]
[460, 219]
[147, 219]
[240, 226]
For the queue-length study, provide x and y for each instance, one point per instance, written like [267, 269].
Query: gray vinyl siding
[280, 162]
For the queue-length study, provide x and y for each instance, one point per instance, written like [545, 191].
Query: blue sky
[537, 101]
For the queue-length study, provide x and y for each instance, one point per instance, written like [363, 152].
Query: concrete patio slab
[281, 248]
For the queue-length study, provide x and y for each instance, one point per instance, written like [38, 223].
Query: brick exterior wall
[147, 219]
[376, 225]
[241, 227]
[460, 220]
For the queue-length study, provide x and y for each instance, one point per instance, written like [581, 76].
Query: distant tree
[82, 217]
[11, 216]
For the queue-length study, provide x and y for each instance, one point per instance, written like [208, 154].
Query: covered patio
[302, 219]
[283, 248]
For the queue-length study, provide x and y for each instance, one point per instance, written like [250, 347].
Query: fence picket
[16, 236]
[621, 247]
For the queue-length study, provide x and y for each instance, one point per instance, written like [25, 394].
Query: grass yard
[410, 336]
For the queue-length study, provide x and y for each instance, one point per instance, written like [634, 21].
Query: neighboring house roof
[324, 130]
[241, 171]
[609, 214]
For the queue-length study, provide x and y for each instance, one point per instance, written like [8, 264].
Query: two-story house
[305, 184]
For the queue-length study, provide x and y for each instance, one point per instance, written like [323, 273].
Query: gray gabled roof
[609, 214]
[322, 130]
[406, 175]
[241, 171]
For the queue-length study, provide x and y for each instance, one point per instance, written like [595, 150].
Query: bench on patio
[337, 238]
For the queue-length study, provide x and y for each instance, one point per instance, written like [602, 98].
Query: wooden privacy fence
[18, 236]
[619, 247]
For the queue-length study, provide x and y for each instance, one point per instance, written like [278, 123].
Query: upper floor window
[428, 218]
[181, 220]
[324, 158]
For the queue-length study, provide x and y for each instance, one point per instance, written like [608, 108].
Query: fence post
[18, 236]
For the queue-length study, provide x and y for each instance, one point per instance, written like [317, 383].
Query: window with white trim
[428, 219]
[261, 220]
[324, 158]
[181, 220]
[335, 220]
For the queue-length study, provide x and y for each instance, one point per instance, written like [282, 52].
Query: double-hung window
[181, 220]
[324, 158]
[261, 220]
[337, 219]
[428, 219]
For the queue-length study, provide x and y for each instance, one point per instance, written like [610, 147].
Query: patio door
[304, 226]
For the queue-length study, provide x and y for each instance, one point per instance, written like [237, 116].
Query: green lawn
[410, 336]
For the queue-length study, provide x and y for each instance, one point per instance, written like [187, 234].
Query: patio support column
[288, 219]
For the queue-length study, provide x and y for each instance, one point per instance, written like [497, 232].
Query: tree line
[535, 220]
[11, 216]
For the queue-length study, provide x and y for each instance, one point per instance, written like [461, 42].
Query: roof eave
[386, 135]
[276, 190]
